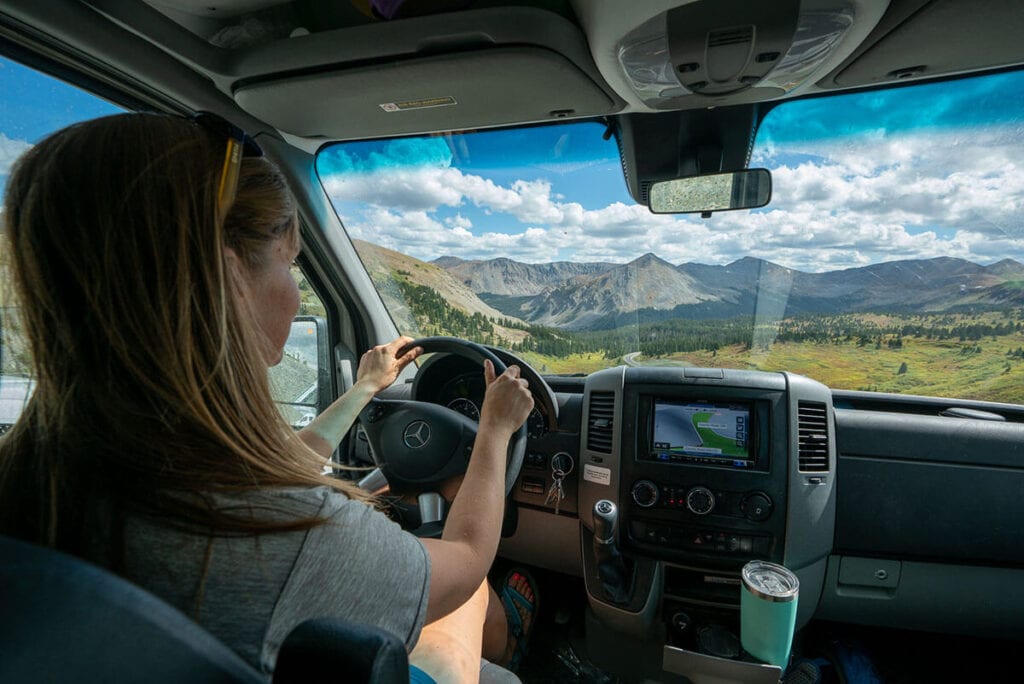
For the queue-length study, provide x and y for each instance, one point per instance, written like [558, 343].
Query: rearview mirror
[746, 189]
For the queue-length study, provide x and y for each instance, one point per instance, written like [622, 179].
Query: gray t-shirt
[359, 565]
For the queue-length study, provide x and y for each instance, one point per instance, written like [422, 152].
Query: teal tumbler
[768, 611]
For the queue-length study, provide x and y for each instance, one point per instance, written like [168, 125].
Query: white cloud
[845, 205]
[10, 150]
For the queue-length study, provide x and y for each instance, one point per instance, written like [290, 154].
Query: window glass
[32, 105]
[294, 382]
[891, 256]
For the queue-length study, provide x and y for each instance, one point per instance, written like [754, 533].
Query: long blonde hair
[151, 388]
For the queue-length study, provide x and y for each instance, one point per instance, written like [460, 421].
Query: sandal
[515, 602]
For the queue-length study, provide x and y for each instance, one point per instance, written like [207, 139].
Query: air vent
[812, 425]
[731, 36]
[601, 422]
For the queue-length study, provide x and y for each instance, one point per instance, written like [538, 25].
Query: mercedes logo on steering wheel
[416, 435]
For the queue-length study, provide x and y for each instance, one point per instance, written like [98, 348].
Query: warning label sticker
[596, 474]
[418, 104]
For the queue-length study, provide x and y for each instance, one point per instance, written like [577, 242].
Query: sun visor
[464, 70]
[487, 87]
[974, 34]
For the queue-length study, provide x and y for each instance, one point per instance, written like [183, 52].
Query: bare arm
[461, 558]
[378, 368]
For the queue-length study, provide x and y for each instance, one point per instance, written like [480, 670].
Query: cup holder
[703, 644]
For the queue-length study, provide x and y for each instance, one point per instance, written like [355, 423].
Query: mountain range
[588, 296]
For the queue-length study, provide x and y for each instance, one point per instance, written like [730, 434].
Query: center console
[699, 486]
[708, 469]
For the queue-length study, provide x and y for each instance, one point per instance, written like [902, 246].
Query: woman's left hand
[379, 367]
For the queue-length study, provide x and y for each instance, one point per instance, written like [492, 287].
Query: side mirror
[746, 189]
[300, 384]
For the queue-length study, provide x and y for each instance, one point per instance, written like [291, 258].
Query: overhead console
[709, 469]
[691, 55]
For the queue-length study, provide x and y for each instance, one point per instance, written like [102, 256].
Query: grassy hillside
[424, 299]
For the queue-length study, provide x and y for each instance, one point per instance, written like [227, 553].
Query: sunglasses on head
[239, 145]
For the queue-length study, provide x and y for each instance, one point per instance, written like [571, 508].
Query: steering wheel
[418, 445]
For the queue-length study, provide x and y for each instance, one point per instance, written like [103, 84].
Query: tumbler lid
[770, 582]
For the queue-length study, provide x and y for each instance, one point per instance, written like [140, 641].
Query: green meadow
[989, 367]
[967, 356]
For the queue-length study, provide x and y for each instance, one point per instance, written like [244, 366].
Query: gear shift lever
[606, 519]
[610, 567]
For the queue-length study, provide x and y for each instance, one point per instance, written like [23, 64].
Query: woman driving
[154, 290]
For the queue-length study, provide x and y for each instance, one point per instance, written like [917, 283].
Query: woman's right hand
[507, 402]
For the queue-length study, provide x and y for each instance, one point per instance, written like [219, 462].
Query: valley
[942, 327]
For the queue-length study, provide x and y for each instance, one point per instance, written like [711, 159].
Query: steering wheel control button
[416, 434]
[645, 493]
[375, 412]
[757, 507]
[700, 501]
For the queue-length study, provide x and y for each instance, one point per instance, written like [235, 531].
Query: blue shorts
[418, 676]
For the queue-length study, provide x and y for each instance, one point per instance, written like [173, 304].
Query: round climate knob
[700, 500]
[757, 506]
[645, 493]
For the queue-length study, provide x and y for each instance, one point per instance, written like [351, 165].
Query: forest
[967, 354]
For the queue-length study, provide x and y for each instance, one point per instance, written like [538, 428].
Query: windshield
[888, 260]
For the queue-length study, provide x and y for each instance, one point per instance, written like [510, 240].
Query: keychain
[561, 465]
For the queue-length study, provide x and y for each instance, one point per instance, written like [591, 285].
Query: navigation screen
[691, 431]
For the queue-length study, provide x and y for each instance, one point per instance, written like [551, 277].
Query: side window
[32, 105]
[295, 381]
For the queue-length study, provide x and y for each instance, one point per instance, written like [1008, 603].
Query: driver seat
[65, 620]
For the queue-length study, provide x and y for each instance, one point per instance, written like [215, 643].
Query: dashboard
[875, 501]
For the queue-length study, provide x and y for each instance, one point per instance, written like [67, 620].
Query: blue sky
[576, 161]
[34, 105]
[931, 170]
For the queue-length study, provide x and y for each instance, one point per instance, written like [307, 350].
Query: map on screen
[701, 429]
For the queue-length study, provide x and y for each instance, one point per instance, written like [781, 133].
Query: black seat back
[65, 620]
[318, 650]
